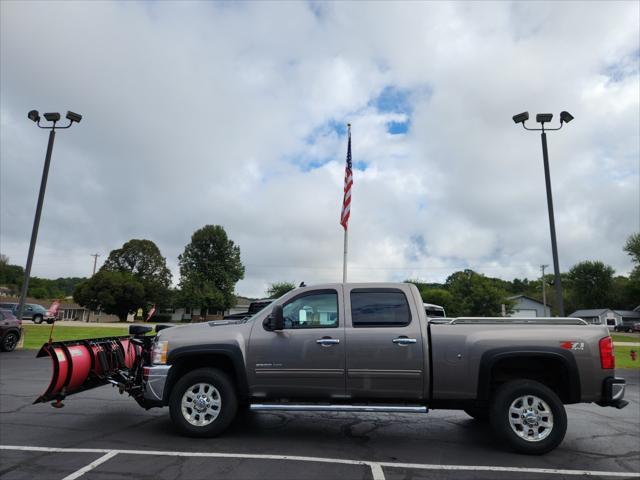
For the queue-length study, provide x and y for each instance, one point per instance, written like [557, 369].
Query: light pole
[53, 117]
[544, 289]
[542, 118]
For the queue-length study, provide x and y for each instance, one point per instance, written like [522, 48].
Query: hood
[203, 332]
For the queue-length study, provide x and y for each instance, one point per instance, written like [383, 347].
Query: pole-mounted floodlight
[565, 117]
[521, 117]
[74, 117]
[34, 116]
[542, 118]
[53, 117]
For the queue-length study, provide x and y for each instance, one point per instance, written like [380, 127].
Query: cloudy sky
[235, 114]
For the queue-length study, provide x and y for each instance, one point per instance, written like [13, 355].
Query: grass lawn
[623, 359]
[37, 335]
[617, 337]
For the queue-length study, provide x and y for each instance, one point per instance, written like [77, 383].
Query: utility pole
[95, 261]
[544, 290]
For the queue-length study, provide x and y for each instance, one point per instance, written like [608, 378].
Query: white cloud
[201, 113]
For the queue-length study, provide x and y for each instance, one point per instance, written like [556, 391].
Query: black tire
[37, 319]
[50, 321]
[501, 416]
[9, 341]
[226, 393]
[478, 413]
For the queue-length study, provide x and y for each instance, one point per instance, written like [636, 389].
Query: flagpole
[346, 232]
[344, 264]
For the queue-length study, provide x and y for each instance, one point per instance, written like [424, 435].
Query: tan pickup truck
[361, 347]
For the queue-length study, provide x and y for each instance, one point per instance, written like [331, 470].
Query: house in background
[528, 307]
[599, 316]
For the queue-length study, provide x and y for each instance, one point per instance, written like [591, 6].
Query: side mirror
[275, 322]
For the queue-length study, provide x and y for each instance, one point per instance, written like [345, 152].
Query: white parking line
[376, 467]
[91, 466]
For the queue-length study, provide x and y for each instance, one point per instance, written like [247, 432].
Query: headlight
[159, 352]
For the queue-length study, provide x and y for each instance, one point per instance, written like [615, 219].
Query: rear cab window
[379, 307]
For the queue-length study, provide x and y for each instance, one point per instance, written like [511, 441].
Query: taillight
[607, 358]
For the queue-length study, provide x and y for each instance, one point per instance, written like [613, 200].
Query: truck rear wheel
[203, 403]
[37, 319]
[529, 416]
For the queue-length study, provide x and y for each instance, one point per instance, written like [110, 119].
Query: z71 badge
[572, 345]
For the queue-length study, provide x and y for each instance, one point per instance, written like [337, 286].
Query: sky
[235, 114]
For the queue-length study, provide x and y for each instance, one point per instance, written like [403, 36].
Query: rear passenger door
[384, 344]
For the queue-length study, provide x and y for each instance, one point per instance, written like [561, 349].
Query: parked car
[10, 330]
[625, 326]
[636, 327]
[356, 347]
[434, 311]
[31, 311]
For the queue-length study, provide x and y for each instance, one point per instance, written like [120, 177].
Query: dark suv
[10, 330]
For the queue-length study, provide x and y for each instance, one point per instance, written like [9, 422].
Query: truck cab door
[385, 352]
[306, 359]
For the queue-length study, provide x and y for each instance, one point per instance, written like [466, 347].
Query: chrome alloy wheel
[531, 418]
[201, 404]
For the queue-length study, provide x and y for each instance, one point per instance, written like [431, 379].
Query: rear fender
[491, 358]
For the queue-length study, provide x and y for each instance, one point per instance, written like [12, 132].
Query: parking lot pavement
[104, 427]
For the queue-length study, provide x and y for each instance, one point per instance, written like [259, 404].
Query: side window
[315, 310]
[379, 308]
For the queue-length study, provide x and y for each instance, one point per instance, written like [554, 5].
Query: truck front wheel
[529, 416]
[203, 403]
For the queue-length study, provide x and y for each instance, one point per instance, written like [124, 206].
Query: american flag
[151, 312]
[348, 182]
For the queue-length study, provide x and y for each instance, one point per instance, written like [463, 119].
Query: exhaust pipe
[80, 365]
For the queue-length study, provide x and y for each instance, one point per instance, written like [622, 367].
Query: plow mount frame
[113, 360]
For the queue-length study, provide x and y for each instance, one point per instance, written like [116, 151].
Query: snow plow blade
[80, 365]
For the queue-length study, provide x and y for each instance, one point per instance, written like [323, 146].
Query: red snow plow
[80, 365]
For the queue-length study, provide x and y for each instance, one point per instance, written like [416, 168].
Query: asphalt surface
[598, 439]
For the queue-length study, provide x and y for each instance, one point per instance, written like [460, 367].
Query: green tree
[439, 296]
[142, 259]
[11, 276]
[591, 284]
[632, 288]
[473, 294]
[210, 267]
[276, 290]
[632, 247]
[116, 293]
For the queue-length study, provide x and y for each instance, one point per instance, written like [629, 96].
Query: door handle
[327, 342]
[404, 341]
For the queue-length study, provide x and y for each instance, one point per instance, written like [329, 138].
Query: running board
[337, 408]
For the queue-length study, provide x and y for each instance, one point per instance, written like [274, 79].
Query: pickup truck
[372, 348]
